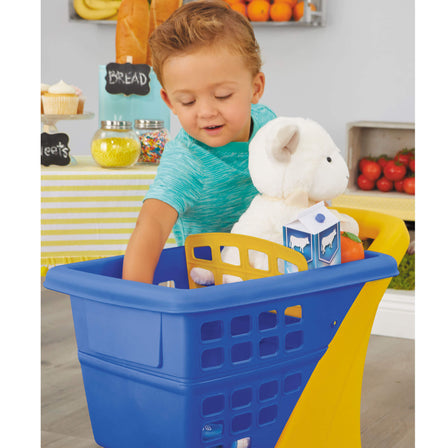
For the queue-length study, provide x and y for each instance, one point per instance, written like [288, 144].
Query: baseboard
[396, 315]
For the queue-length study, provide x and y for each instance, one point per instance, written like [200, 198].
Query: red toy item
[409, 185]
[386, 173]
[364, 183]
[394, 170]
[371, 169]
[384, 184]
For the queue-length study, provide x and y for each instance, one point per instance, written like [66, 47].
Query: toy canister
[115, 144]
[153, 138]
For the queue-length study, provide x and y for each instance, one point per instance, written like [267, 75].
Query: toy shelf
[395, 316]
[400, 205]
[309, 19]
[375, 138]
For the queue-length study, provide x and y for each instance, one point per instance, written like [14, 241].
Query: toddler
[208, 62]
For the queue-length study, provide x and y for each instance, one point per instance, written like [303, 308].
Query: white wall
[359, 67]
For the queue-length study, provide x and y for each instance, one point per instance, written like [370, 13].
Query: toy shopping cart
[268, 362]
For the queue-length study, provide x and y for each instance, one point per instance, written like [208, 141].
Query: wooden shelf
[372, 139]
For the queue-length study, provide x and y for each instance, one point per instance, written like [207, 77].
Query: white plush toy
[293, 163]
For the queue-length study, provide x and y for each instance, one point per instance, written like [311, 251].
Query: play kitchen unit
[386, 141]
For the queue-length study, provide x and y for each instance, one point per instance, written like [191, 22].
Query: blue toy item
[132, 107]
[215, 367]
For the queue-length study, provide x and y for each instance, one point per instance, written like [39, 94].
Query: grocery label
[328, 244]
[127, 78]
[54, 149]
[301, 242]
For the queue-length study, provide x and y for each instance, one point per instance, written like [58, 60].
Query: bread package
[159, 11]
[131, 38]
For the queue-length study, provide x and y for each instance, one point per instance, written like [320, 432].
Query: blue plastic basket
[202, 368]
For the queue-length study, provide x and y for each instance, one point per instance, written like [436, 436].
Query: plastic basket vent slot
[212, 358]
[267, 320]
[241, 398]
[293, 315]
[240, 325]
[213, 405]
[241, 422]
[203, 252]
[241, 352]
[292, 383]
[267, 415]
[293, 340]
[211, 331]
[263, 263]
[268, 391]
[235, 254]
[268, 346]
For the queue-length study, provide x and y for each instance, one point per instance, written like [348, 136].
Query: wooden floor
[387, 409]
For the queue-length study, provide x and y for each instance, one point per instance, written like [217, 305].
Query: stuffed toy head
[294, 156]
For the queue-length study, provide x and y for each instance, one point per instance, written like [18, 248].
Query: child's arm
[154, 224]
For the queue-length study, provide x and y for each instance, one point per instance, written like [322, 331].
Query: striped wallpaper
[89, 212]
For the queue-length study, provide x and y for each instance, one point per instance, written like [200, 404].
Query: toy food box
[315, 233]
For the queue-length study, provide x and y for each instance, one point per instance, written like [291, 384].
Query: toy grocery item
[115, 145]
[97, 9]
[159, 11]
[132, 32]
[153, 138]
[293, 163]
[136, 21]
[60, 99]
[277, 10]
[315, 233]
[351, 247]
[388, 173]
